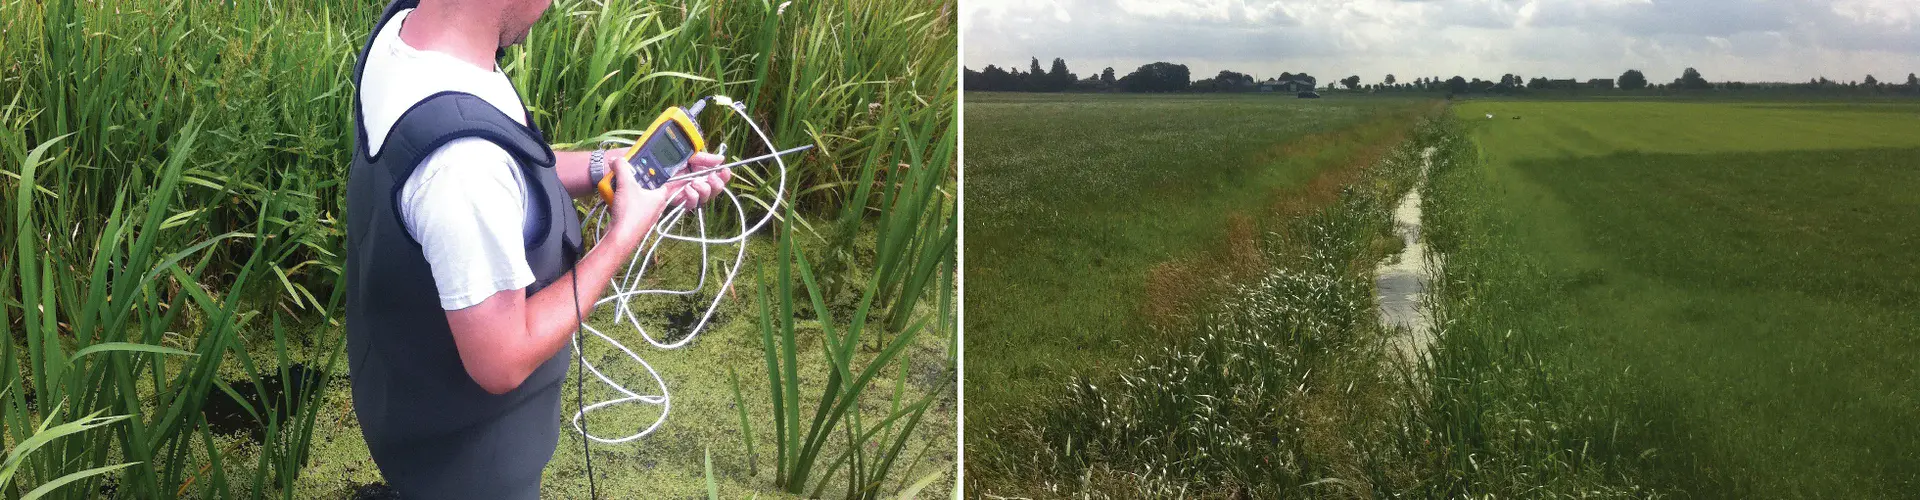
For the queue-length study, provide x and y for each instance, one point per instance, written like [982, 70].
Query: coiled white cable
[628, 286]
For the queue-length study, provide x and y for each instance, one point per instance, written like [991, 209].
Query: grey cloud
[1702, 18]
[1726, 39]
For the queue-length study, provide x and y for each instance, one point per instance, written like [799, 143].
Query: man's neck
[437, 28]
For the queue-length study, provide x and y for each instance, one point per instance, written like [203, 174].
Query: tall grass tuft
[102, 344]
[805, 449]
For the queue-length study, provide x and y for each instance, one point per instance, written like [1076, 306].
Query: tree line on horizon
[1156, 77]
[1170, 77]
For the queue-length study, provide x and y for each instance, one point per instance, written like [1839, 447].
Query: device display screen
[669, 146]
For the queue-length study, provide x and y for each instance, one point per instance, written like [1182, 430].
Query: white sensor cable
[628, 287]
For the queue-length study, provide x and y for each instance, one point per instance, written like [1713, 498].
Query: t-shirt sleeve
[466, 205]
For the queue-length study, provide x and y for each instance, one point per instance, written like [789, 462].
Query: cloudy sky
[1749, 40]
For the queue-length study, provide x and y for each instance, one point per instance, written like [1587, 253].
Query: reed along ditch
[1279, 386]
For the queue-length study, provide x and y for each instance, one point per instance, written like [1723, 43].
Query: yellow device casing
[674, 128]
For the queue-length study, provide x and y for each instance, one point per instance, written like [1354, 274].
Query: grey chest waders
[434, 432]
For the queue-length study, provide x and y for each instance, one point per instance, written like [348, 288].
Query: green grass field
[1719, 296]
[1076, 201]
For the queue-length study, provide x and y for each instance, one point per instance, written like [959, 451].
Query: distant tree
[1389, 79]
[1538, 83]
[1508, 83]
[1059, 78]
[1158, 77]
[1690, 79]
[1350, 82]
[1225, 81]
[1036, 78]
[994, 78]
[1870, 82]
[970, 79]
[1633, 79]
[1106, 76]
[1457, 85]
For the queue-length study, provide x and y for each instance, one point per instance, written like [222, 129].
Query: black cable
[580, 376]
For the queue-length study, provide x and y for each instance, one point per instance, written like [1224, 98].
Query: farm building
[1287, 85]
[1601, 83]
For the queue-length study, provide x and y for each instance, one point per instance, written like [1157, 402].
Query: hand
[630, 206]
[697, 191]
[633, 208]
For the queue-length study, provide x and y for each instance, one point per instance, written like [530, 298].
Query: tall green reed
[812, 72]
[117, 325]
[804, 448]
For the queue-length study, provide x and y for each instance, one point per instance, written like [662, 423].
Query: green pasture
[1717, 298]
[1073, 200]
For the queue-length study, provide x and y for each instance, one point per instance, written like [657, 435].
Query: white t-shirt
[466, 203]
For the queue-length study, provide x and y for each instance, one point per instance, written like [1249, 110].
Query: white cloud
[1754, 40]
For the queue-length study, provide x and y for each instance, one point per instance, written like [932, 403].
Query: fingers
[698, 192]
[704, 161]
[692, 193]
[623, 178]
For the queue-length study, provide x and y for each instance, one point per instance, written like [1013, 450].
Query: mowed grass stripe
[1737, 281]
[1561, 129]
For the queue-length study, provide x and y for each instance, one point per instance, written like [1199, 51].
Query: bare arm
[504, 338]
[572, 167]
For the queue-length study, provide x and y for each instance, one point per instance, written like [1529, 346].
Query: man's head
[517, 18]
[513, 19]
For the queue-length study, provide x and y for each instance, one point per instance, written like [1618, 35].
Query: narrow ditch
[1400, 281]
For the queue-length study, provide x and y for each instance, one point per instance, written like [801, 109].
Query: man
[466, 277]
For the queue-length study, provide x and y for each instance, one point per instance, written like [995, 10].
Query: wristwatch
[597, 165]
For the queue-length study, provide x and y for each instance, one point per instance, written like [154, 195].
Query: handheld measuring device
[660, 156]
[661, 152]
